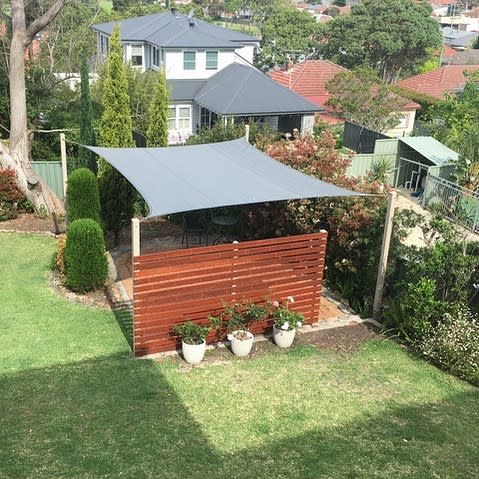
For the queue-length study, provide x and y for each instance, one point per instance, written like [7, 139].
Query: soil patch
[32, 223]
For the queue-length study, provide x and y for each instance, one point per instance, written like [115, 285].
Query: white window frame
[142, 56]
[176, 123]
[206, 60]
[193, 62]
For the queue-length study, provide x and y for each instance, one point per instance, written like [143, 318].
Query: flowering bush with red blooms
[10, 194]
[355, 224]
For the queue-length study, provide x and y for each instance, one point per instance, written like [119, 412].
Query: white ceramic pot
[193, 353]
[241, 347]
[283, 337]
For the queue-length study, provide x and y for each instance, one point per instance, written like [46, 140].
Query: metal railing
[454, 202]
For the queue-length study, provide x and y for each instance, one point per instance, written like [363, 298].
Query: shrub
[82, 195]
[58, 262]
[85, 260]
[10, 194]
[453, 344]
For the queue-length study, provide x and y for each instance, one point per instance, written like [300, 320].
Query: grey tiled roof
[243, 90]
[170, 30]
[184, 90]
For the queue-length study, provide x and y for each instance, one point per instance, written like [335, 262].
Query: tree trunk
[16, 155]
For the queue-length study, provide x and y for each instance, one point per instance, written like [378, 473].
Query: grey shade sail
[186, 178]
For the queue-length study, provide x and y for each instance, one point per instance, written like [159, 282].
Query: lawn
[74, 404]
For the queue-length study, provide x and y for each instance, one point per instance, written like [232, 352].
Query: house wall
[246, 52]
[405, 126]
[174, 68]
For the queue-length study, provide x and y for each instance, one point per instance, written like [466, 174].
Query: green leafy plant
[192, 333]
[85, 259]
[284, 318]
[83, 199]
[453, 344]
[10, 195]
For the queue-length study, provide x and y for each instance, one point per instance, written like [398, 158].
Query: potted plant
[193, 341]
[239, 318]
[285, 323]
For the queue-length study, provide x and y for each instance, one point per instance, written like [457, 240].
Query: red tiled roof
[436, 83]
[308, 78]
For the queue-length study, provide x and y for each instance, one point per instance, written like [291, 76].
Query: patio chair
[193, 226]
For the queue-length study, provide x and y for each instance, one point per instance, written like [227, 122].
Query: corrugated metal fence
[51, 173]
[187, 285]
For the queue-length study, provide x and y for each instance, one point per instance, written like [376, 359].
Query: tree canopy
[391, 36]
[286, 35]
[362, 97]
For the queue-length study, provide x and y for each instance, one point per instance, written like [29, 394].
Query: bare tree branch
[40, 23]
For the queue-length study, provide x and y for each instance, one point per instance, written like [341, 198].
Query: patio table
[224, 222]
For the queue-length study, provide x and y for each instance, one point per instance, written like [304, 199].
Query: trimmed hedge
[83, 200]
[85, 260]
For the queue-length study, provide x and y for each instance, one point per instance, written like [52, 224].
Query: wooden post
[383, 260]
[246, 132]
[135, 237]
[63, 153]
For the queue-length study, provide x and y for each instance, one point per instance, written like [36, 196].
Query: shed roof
[185, 178]
[430, 148]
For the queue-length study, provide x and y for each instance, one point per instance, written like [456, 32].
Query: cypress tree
[117, 195]
[157, 132]
[86, 158]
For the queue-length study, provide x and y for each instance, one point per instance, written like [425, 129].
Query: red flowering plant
[10, 194]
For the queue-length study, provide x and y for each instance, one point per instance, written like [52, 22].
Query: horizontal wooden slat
[181, 285]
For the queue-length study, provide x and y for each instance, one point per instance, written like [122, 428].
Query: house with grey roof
[209, 72]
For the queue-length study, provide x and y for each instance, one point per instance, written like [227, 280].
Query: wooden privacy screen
[189, 284]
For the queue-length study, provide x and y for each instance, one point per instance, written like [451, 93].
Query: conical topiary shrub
[85, 260]
[83, 200]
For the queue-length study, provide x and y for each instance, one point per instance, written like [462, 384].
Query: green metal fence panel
[360, 165]
[51, 173]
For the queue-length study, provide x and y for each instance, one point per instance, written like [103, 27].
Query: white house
[209, 71]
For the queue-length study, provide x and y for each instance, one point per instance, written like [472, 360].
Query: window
[211, 60]
[189, 60]
[156, 56]
[137, 55]
[104, 44]
[179, 117]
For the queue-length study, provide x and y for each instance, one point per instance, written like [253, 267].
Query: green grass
[77, 406]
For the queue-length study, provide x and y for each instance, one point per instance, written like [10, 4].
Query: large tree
[117, 195]
[287, 34]
[362, 97]
[391, 36]
[16, 154]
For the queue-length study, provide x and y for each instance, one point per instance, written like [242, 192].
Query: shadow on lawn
[123, 311]
[117, 417]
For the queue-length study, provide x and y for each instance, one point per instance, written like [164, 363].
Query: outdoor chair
[193, 226]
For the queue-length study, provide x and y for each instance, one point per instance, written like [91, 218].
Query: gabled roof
[437, 83]
[173, 30]
[242, 90]
[430, 148]
[308, 78]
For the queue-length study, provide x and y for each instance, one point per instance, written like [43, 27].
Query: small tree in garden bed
[83, 199]
[85, 260]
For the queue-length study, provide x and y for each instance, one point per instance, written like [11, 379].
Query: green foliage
[86, 158]
[285, 35]
[284, 318]
[83, 199]
[368, 38]
[157, 133]
[453, 344]
[117, 196]
[85, 259]
[191, 333]
[10, 194]
[362, 97]
[239, 316]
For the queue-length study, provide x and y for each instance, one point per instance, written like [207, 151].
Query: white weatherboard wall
[174, 64]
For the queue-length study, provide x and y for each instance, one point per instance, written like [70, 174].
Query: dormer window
[137, 55]
[189, 60]
[212, 60]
